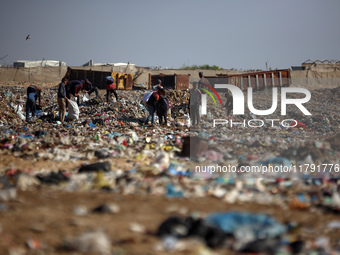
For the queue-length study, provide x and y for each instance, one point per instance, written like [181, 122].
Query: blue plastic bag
[258, 226]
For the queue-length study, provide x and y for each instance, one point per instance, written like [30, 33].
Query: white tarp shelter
[91, 63]
[44, 63]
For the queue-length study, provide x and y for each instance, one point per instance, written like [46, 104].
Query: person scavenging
[62, 99]
[151, 106]
[33, 93]
[163, 105]
[147, 95]
[110, 88]
[73, 88]
[89, 88]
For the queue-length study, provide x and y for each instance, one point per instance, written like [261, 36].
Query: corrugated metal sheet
[182, 81]
[256, 80]
[123, 81]
[175, 81]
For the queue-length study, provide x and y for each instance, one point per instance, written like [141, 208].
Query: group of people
[196, 99]
[67, 88]
[157, 102]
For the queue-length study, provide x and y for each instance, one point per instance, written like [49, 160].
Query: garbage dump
[105, 182]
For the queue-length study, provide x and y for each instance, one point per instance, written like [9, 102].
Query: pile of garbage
[96, 129]
[292, 140]
[180, 161]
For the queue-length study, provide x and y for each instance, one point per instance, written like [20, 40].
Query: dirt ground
[44, 216]
[48, 218]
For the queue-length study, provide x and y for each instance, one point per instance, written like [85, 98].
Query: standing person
[203, 81]
[151, 107]
[73, 88]
[89, 88]
[62, 99]
[110, 88]
[163, 105]
[33, 92]
[194, 102]
[229, 103]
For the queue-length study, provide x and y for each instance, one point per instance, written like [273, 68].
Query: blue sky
[240, 34]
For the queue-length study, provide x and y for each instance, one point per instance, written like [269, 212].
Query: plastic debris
[8, 194]
[73, 110]
[107, 208]
[101, 166]
[95, 242]
[161, 161]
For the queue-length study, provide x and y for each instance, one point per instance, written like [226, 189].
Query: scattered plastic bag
[73, 110]
[85, 98]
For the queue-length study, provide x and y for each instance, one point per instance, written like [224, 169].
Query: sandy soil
[46, 214]
[48, 218]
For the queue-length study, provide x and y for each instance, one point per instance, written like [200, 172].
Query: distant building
[44, 63]
[316, 64]
[91, 63]
[320, 63]
[298, 68]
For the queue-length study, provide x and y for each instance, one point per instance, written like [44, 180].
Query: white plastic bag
[73, 110]
[85, 98]
[146, 97]
[18, 109]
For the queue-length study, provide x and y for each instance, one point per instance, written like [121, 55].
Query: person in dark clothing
[162, 107]
[73, 88]
[229, 103]
[110, 88]
[30, 106]
[151, 107]
[33, 92]
[62, 99]
[37, 90]
[89, 88]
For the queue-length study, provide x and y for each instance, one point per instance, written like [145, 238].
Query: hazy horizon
[170, 34]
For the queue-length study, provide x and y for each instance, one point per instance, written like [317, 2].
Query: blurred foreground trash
[53, 178]
[96, 167]
[107, 208]
[8, 194]
[96, 242]
[239, 231]
[252, 232]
